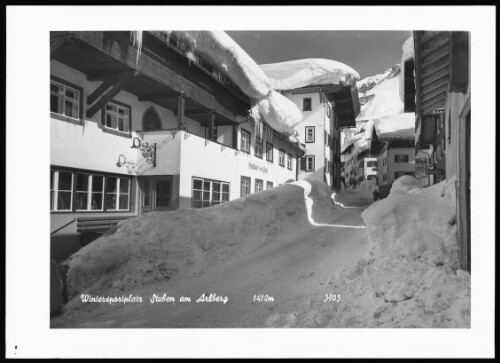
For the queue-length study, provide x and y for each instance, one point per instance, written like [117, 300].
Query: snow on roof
[395, 126]
[386, 100]
[306, 72]
[220, 49]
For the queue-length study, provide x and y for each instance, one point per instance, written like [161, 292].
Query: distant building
[396, 158]
[326, 110]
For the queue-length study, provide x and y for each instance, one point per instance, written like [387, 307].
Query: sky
[368, 52]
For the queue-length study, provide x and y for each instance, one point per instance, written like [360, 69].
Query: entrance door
[155, 194]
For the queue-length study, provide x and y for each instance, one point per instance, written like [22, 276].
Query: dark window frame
[307, 101]
[109, 130]
[245, 132]
[261, 183]
[249, 180]
[81, 106]
[313, 162]
[313, 134]
[271, 160]
[281, 152]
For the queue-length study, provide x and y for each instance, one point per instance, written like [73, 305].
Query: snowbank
[411, 276]
[361, 196]
[305, 72]
[158, 246]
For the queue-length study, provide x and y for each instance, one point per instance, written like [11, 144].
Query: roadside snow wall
[411, 277]
[157, 246]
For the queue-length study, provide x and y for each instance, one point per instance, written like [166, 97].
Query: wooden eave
[101, 59]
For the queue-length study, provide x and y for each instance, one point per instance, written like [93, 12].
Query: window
[245, 186]
[269, 185]
[399, 174]
[269, 152]
[65, 100]
[384, 177]
[309, 162]
[89, 192]
[370, 177]
[371, 164]
[289, 161]
[117, 193]
[259, 185]
[401, 158]
[306, 104]
[146, 192]
[310, 134]
[282, 158]
[208, 193]
[162, 193]
[117, 117]
[61, 191]
[151, 120]
[258, 147]
[245, 141]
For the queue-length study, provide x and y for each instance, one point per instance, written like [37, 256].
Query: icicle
[137, 42]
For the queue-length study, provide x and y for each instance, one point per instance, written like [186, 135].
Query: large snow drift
[222, 51]
[305, 72]
[411, 277]
[156, 246]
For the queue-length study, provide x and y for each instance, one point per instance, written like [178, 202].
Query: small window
[269, 152]
[289, 161]
[309, 162]
[269, 185]
[65, 100]
[245, 141]
[117, 117]
[309, 134]
[258, 147]
[282, 158]
[306, 104]
[384, 177]
[245, 186]
[259, 185]
[401, 158]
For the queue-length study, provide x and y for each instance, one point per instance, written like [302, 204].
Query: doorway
[156, 194]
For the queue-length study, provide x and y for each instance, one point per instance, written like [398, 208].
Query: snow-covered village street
[250, 181]
[322, 276]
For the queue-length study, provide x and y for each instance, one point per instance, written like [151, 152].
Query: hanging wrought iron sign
[147, 150]
[131, 166]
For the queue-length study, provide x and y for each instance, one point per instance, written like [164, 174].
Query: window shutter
[303, 163]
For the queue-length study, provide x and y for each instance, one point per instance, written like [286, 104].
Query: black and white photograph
[210, 177]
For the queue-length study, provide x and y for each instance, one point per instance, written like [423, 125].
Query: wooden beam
[57, 41]
[435, 67]
[459, 61]
[197, 111]
[180, 111]
[105, 98]
[435, 56]
[103, 87]
[426, 35]
[103, 75]
[211, 125]
[436, 89]
[158, 96]
[433, 103]
[435, 43]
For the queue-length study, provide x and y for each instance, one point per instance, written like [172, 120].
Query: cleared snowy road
[293, 275]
